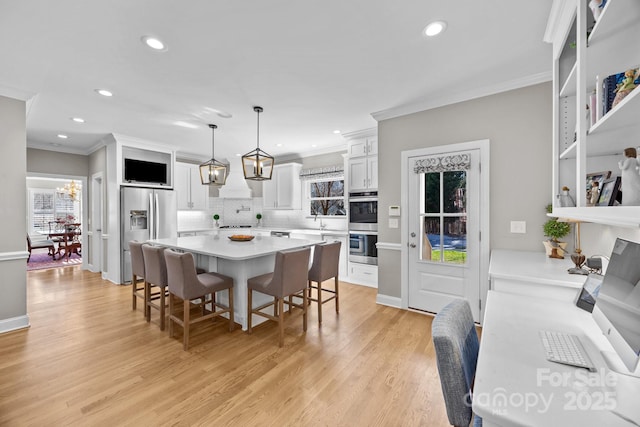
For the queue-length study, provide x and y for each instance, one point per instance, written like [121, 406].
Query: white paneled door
[444, 198]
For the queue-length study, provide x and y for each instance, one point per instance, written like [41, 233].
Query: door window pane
[454, 185]
[430, 238]
[454, 240]
[432, 192]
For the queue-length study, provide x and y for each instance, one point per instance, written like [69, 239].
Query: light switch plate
[393, 222]
[519, 227]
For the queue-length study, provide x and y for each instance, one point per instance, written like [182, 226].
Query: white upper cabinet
[363, 164]
[363, 147]
[283, 190]
[190, 193]
[590, 134]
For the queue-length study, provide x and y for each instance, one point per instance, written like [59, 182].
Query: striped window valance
[322, 173]
[450, 162]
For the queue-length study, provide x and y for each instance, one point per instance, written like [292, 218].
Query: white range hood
[236, 186]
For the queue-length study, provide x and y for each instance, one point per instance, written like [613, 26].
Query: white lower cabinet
[363, 274]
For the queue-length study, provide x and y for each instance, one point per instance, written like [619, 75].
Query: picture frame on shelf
[600, 178]
[609, 192]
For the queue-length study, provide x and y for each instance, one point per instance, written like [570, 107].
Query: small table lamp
[577, 257]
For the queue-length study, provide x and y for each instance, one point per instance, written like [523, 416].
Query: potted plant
[555, 230]
[258, 217]
[216, 217]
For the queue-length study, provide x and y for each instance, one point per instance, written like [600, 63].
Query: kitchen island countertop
[223, 247]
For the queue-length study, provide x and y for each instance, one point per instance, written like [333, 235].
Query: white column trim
[14, 323]
[389, 301]
[389, 246]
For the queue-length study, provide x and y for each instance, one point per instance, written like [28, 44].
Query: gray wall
[13, 202]
[54, 163]
[518, 124]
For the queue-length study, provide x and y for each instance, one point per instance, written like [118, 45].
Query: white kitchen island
[239, 260]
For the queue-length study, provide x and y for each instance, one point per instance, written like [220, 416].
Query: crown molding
[361, 133]
[431, 102]
[58, 149]
[19, 94]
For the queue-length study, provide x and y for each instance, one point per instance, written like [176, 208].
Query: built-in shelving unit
[585, 52]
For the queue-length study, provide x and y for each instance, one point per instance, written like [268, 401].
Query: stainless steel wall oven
[362, 247]
[363, 211]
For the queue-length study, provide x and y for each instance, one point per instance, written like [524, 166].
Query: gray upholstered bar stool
[326, 262]
[289, 277]
[155, 269]
[137, 273]
[185, 283]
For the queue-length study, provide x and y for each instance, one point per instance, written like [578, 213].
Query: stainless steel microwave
[363, 211]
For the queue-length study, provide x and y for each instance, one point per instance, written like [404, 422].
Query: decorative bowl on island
[241, 237]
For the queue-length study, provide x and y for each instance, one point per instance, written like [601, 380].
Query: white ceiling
[314, 66]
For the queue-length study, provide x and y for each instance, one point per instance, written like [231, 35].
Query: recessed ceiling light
[337, 131]
[278, 145]
[238, 154]
[77, 119]
[104, 92]
[185, 125]
[435, 28]
[154, 43]
[61, 136]
[314, 145]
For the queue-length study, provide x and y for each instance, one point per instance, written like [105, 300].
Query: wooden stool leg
[337, 296]
[171, 304]
[185, 328]
[147, 301]
[249, 310]
[305, 304]
[232, 323]
[162, 312]
[134, 285]
[281, 319]
[319, 302]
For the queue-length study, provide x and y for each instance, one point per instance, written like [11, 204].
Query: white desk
[516, 386]
[533, 274]
[239, 260]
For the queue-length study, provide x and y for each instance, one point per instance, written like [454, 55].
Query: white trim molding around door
[484, 222]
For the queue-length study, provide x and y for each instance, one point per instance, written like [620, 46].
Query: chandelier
[72, 189]
[213, 172]
[257, 164]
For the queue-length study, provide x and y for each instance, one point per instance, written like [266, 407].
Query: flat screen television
[145, 172]
[617, 308]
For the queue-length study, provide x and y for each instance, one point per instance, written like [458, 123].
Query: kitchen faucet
[322, 226]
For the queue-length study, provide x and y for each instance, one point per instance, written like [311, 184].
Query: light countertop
[222, 247]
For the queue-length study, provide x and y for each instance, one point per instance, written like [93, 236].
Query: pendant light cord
[258, 131]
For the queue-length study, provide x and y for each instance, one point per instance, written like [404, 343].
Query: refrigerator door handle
[152, 218]
[156, 211]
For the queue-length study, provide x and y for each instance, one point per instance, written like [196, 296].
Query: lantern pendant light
[213, 172]
[257, 164]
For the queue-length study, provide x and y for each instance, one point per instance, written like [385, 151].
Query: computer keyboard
[566, 349]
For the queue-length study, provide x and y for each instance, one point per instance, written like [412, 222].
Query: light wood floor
[88, 359]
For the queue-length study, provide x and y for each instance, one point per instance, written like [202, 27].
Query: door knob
[413, 234]
[413, 245]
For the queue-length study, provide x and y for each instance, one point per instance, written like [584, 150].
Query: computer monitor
[617, 309]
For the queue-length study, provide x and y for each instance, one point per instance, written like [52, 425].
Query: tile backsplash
[243, 212]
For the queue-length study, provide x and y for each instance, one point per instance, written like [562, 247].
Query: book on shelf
[606, 91]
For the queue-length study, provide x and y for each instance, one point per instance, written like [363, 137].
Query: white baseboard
[14, 323]
[388, 300]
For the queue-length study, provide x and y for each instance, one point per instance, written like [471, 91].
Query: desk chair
[185, 283]
[456, 344]
[326, 259]
[137, 272]
[289, 278]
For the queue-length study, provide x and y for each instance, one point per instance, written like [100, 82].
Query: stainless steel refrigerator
[145, 213]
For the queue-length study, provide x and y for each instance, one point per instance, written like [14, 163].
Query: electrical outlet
[519, 227]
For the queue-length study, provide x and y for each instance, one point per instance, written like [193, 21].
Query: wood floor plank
[88, 359]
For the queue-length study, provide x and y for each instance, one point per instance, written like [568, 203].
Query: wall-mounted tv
[144, 171]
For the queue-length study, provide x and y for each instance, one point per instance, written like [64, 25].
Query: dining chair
[45, 244]
[155, 270]
[456, 343]
[289, 277]
[138, 285]
[326, 262]
[186, 284]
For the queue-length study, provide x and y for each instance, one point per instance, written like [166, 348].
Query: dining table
[239, 260]
[67, 240]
